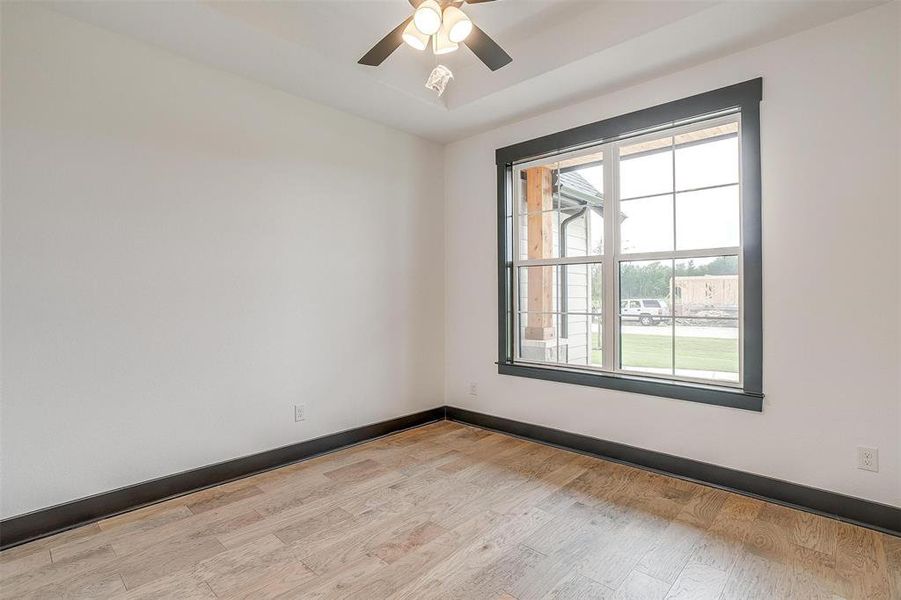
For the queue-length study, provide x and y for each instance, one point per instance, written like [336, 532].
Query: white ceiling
[562, 49]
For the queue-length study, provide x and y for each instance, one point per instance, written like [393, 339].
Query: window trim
[743, 98]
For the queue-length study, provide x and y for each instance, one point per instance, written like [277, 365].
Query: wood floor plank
[360, 543]
[812, 575]
[497, 534]
[755, 577]
[640, 586]
[408, 541]
[534, 581]
[304, 528]
[214, 523]
[335, 584]
[698, 582]
[861, 563]
[391, 579]
[181, 586]
[25, 582]
[578, 587]
[265, 567]
[144, 514]
[20, 563]
[499, 575]
[804, 529]
[724, 539]
[452, 512]
[223, 498]
[86, 585]
[358, 471]
[159, 561]
[47, 543]
[286, 510]
[611, 560]
[672, 550]
[124, 530]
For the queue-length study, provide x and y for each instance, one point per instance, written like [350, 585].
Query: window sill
[705, 394]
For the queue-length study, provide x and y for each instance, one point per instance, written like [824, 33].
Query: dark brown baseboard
[873, 515]
[44, 522]
[47, 521]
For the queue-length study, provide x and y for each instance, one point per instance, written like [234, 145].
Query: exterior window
[633, 261]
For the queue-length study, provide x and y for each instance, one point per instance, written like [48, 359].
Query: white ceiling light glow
[441, 44]
[413, 37]
[427, 17]
[457, 24]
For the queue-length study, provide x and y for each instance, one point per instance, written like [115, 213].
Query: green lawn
[655, 351]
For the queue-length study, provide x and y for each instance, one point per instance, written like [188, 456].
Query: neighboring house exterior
[706, 295]
[580, 207]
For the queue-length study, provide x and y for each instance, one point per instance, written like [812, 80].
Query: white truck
[647, 311]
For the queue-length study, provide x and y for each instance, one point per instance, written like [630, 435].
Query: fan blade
[415, 3]
[385, 47]
[486, 49]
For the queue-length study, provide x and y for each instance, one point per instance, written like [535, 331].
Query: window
[630, 252]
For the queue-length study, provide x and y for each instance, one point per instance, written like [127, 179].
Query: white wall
[187, 254]
[830, 145]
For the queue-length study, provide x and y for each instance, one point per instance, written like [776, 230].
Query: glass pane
[646, 335]
[574, 231]
[707, 218]
[580, 288]
[538, 209]
[646, 225]
[644, 287]
[596, 231]
[596, 341]
[539, 235]
[584, 176]
[538, 337]
[707, 349]
[647, 349]
[580, 187]
[707, 287]
[538, 289]
[707, 157]
[646, 168]
[580, 342]
[537, 190]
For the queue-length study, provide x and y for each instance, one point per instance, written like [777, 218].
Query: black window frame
[743, 98]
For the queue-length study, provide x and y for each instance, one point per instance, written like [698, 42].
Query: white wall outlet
[868, 458]
[300, 412]
[473, 389]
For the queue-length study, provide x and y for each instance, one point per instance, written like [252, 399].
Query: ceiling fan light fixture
[441, 44]
[438, 79]
[457, 24]
[427, 17]
[415, 38]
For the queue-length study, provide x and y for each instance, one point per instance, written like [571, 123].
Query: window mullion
[610, 308]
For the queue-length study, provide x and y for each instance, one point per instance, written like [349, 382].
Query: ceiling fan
[446, 26]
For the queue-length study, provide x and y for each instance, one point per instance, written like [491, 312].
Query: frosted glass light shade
[441, 44]
[457, 24]
[428, 17]
[413, 37]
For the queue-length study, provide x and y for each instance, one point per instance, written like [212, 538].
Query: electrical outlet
[868, 458]
[473, 389]
[300, 412]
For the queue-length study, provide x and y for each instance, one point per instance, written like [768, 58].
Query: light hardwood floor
[449, 511]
